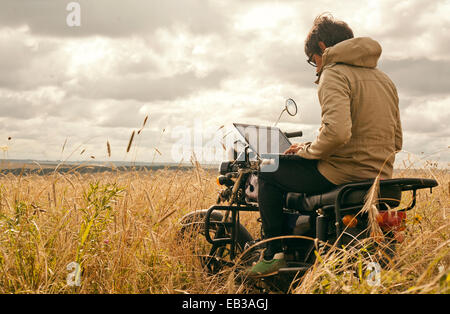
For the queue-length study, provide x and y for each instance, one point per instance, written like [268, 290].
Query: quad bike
[330, 219]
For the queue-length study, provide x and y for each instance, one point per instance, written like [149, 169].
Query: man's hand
[294, 148]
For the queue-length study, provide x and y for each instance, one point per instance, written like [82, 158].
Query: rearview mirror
[291, 107]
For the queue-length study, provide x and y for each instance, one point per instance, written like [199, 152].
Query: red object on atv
[390, 220]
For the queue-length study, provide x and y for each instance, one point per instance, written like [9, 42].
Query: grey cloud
[112, 18]
[288, 64]
[126, 114]
[102, 113]
[406, 20]
[425, 120]
[26, 67]
[142, 88]
[419, 76]
[24, 129]
[421, 145]
[12, 107]
[417, 123]
[126, 66]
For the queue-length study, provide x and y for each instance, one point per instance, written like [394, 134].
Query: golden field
[121, 227]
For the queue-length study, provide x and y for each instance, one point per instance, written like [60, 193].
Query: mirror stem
[279, 117]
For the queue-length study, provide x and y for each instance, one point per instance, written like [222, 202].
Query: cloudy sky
[195, 65]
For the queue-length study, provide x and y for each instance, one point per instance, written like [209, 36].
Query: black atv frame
[229, 231]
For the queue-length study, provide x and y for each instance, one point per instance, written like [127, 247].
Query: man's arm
[398, 127]
[336, 130]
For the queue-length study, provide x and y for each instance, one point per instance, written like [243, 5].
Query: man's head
[326, 32]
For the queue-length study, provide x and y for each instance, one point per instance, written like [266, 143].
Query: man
[359, 134]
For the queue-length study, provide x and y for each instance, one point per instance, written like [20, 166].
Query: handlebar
[293, 134]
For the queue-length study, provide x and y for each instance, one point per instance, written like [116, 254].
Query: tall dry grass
[121, 228]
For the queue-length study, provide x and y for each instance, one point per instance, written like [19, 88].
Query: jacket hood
[360, 51]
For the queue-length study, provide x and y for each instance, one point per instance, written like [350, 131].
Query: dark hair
[328, 30]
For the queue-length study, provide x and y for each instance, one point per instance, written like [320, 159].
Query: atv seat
[353, 195]
[350, 198]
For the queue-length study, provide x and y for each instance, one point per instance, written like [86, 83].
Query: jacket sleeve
[398, 128]
[336, 127]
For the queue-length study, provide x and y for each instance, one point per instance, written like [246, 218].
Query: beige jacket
[361, 129]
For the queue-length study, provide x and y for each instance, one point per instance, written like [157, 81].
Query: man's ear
[322, 46]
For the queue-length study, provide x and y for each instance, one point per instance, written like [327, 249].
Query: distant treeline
[92, 169]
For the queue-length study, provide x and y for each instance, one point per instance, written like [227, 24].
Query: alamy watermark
[374, 277]
[74, 277]
[74, 17]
